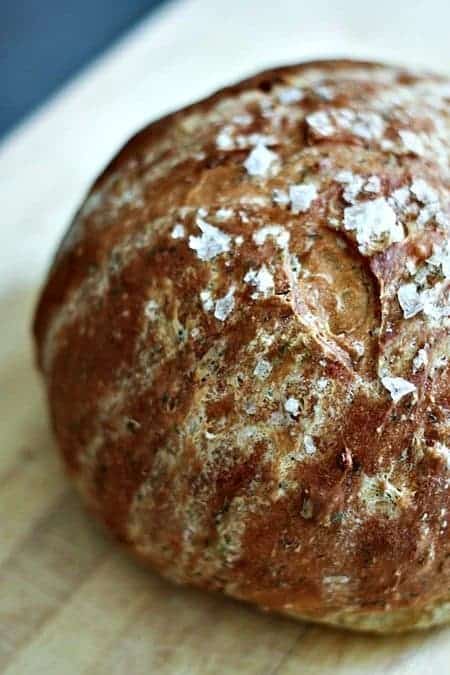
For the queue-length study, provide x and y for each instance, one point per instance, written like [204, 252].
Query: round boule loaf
[245, 339]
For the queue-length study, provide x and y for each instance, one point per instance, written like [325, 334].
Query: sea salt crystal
[178, 231]
[431, 308]
[249, 140]
[291, 95]
[224, 140]
[373, 185]
[440, 363]
[325, 92]
[260, 161]
[398, 387]
[280, 197]
[262, 279]
[400, 198]
[374, 223]
[353, 185]
[262, 369]
[279, 233]
[243, 120]
[411, 142]
[207, 301]
[321, 123]
[224, 306]
[292, 406]
[409, 300]
[441, 259]
[211, 243]
[224, 214]
[366, 125]
[295, 265]
[309, 445]
[420, 360]
[423, 192]
[151, 310]
[302, 196]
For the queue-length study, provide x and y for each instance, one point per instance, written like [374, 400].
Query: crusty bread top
[245, 340]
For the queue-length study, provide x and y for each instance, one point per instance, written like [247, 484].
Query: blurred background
[78, 77]
[43, 42]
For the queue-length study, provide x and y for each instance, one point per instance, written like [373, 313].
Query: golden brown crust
[244, 337]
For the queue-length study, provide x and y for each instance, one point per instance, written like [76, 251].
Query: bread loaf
[245, 339]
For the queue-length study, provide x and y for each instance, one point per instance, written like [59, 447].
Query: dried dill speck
[345, 460]
[307, 509]
[182, 334]
[283, 348]
[132, 425]
[240, 378]
[337, 517]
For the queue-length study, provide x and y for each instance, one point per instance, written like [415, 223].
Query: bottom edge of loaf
[387, 621]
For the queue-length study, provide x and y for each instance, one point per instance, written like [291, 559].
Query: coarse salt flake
[224, 306]
[243, 120]
[207, 301]
[373, 185]
[224, 214]
[398, 387]
[440, 259]
[260, 161]
[400, 198]
[279, 233]
[262, 279]
[302, 196]
[212, 241]
[374, 223]
[409, 300]
[420, 360]
[280, 197]
[262, 369]
[292, 406]
[353, 185]
[423, 192]
[309, 445]
[367, 125]
[224, 140]
[411, 142]
[151, 310]
[178, 231]
[291, 95]
[321, 123]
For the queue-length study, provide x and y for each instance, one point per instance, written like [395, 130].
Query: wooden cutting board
[72, 603]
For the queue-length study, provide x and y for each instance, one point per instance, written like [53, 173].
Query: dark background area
[44, 42]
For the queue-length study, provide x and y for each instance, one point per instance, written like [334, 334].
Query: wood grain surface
[72, 603]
